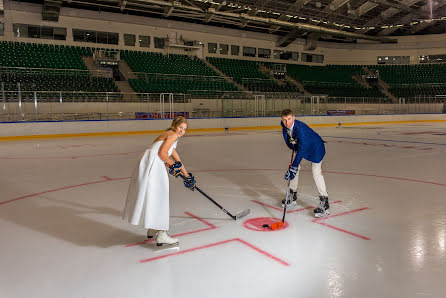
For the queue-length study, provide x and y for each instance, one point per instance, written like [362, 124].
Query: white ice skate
[164, 238]
[291, 199]
[152, 233]
[323, 209]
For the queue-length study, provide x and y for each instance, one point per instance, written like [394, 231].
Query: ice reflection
[379, 263]
[441, 237]
[417, 250]
[335, 283]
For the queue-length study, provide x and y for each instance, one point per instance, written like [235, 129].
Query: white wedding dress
[148, 194]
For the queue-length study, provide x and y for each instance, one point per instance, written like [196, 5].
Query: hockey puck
[266, 226]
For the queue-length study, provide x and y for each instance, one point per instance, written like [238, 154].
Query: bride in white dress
[148, 195]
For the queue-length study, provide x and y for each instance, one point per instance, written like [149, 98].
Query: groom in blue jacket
[308, 145]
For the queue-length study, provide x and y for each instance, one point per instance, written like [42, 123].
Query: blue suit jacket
[309, 145]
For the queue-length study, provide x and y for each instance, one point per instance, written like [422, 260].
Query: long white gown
[148, 194]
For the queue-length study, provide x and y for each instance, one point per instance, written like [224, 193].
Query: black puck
[266, 226]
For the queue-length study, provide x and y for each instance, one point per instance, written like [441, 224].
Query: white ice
[62, 235]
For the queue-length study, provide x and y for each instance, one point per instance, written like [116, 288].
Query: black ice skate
[291, 199]
[323, 209]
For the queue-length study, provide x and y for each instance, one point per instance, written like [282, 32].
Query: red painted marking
[329, 172]
[216, 244]
[211, 227]
[318, 221]
[61, 188]
[266, 205]
[222, 134]
[339, 214]
[202, 220]
[256, 224]
[291, 211]
[387, 177]
[417, 133]
[264, 252]
[311, 207]
[72, 157]
[379, 144]
[342, 230]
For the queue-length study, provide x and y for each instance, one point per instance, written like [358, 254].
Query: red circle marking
[256, 224]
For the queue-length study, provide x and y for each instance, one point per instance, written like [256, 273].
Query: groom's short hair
[286, 112]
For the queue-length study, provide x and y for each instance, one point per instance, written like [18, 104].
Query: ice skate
[323, 209]
[291, 199]
[164, 238]
[152, 233]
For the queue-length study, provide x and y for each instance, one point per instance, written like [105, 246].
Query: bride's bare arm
[163, 153]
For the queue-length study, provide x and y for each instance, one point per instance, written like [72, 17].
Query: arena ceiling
[329, 20]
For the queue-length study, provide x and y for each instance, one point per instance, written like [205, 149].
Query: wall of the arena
[11, 131]
[210, 108]
[366, 53]
[334, 53]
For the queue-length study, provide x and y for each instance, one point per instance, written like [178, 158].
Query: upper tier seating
[193, 75]
[248, 73]
[333, 80]
[414, 80]
[148, 62]
[411, 74]
[193, 85]
[32, 55]
[43, 67]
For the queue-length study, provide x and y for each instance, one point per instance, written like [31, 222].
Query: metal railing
[20, 106]
[167, 76]
[48, 71]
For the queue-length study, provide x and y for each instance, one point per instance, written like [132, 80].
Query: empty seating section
[173, 64]
[158, 73]
[43, 67]
[194, 85]
[269, 85]
[238, 69]
[57, 82]
[411, 74]
[328, 73]
[417, 91]
[31, 55]
[248, 74]
[414, 80]
[332, 80]
[342, 90]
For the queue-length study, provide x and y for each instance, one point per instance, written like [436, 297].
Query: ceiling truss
[348, 20]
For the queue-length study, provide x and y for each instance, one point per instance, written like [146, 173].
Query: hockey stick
[279, 224]
[237, 216]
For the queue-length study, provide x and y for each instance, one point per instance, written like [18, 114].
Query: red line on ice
[62, 188]
[331, 172]
[291, 211]
[216, 244]
[387, 177]
[230, 170]
[210, 227]
[319, 221]
[71, 157]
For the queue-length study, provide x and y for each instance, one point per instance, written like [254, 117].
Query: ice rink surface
[62, 234]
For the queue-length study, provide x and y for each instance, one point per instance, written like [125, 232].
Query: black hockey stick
[279, 224]
[237, 216]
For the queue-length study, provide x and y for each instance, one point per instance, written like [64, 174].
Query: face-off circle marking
[257, 224]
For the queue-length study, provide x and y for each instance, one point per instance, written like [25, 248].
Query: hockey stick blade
[276, 225]
[242, 214]
[280, 224]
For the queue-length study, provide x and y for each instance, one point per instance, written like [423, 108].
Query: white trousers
[316, 168]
